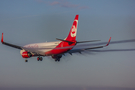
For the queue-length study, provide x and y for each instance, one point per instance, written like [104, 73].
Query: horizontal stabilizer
[70, 42]
[78, 42]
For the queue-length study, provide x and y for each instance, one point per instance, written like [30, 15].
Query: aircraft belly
[55, 52]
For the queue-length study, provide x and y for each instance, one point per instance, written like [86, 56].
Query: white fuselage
[43, 47]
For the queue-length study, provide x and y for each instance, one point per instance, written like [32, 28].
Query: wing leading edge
[11, 45]
[80, 50]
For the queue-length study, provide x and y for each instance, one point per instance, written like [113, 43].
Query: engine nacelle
[25, 54]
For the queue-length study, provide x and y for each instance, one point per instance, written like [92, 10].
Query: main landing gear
[39, 58]
[56, 57]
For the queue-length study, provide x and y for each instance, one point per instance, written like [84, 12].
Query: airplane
[54, 49]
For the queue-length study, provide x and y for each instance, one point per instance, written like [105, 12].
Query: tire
[26, 60]
[38, 58]
[41, 58]
[58, 60]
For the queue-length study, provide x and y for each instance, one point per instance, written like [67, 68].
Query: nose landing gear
[26, 60]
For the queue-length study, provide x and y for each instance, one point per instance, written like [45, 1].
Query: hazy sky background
[33, 21]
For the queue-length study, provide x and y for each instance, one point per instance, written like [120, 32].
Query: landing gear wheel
[26, 60]
[41, 58]
[38, 58]
[58, 60]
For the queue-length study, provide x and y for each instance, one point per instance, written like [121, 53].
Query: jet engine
[25, 54]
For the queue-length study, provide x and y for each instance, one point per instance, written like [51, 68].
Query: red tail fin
[73, 30]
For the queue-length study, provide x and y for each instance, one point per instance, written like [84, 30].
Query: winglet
[108, 42]
[2, 38]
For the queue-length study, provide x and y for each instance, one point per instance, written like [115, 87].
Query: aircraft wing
[83, 49]
[11, 45]
[37, 52]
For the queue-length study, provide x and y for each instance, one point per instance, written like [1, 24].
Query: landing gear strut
[39, 58]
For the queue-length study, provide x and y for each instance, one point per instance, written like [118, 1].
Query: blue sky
[33, 21]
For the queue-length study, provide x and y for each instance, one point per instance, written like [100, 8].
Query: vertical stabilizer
[73, 30]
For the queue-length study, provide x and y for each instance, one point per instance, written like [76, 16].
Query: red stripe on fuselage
[60, 49]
